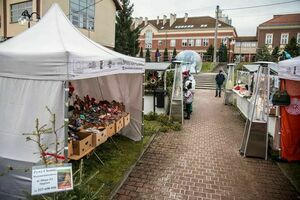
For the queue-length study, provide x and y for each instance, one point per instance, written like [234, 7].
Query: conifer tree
[222, 53]
[292, 47]
[263, 54]
[174, 53]
[166, 55]
[141, 53]
[126, 36]
[148, 56]
[275, 54]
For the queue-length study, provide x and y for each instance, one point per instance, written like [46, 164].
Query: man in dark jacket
[220, 78]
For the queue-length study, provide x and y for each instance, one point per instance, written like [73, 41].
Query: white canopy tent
[34, 69]
[290, 69]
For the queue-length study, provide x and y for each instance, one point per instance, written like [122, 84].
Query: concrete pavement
[202, 161]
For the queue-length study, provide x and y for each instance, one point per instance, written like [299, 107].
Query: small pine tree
[148, 56]
[209, 53]
[263, 54]
[157, 55]
[292, 47]
[141, 53]
[275, 54]
[166, 55]
[127, 38]
[222, 53]
[174, 53]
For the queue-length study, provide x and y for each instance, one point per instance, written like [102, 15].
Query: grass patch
[207, 67]
[117, 162]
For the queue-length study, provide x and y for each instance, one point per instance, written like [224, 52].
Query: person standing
[188, 100]
[220, 78]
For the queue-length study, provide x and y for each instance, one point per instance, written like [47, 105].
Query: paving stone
[202, 161]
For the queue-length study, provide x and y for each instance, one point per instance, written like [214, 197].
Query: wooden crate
[70, 148]
[119, 124]
[126, 119]
[99, 138]
[111, 129]
[84, 144]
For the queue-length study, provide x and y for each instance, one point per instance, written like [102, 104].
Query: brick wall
[276, 35]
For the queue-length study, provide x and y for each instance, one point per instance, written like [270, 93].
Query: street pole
[216, 35]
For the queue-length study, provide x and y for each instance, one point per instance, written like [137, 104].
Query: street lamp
[26, 17]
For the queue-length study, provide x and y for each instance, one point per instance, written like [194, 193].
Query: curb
[116, 189]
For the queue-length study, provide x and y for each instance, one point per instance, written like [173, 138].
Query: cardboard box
[84, 144]
[110, 129]
[99, 138]
[126, 119]
[119, 124]
[70, 148]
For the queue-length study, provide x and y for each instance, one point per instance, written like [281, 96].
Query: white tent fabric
[55, 50]
[34, 67]
[290, 69]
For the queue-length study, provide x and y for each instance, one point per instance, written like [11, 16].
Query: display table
[243, 104]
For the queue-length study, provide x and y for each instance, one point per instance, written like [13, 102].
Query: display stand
[228, 97]
[176, 107]
[255, 138]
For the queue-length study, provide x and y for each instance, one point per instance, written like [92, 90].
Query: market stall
[289, 74]
[156, 98]
[36, 67]
[243, 91]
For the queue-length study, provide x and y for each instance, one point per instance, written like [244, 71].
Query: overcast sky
[245, 21]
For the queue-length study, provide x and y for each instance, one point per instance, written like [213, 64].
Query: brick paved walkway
[202, 161]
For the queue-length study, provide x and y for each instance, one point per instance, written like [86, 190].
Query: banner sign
[56, 178]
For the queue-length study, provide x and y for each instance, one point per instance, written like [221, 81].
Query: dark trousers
[188, 107]
[218, 90]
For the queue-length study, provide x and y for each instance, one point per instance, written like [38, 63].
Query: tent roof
[290, 69]
[55, 49]
[157, 66]
[251, 68]
[254, 67]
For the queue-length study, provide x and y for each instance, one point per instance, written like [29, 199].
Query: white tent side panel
[126, 88]
[21, 103]
[290, 69]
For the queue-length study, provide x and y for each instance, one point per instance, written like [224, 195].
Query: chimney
[164, 20]
[136, 22]
[185, 17]
[157, 21]
[146, 21]
[172, 19]
[140, 20]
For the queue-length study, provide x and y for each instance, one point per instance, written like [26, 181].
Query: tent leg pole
[98, 158]
[267, 111]
[113, 141]
[253, 109]
[66, 119]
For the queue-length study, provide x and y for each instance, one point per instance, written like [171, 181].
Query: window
[237, 44]
[173, 43]
[205, 42]
[184, 42]
[82, 13]
[269, 38]
[298, 38]
[191, 42]
[148, 40]
[198, 42]
[160, 43]
[284, 38]
[253, 44]
[17, 9]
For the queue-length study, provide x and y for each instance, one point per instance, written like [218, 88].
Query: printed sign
[51, 179]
